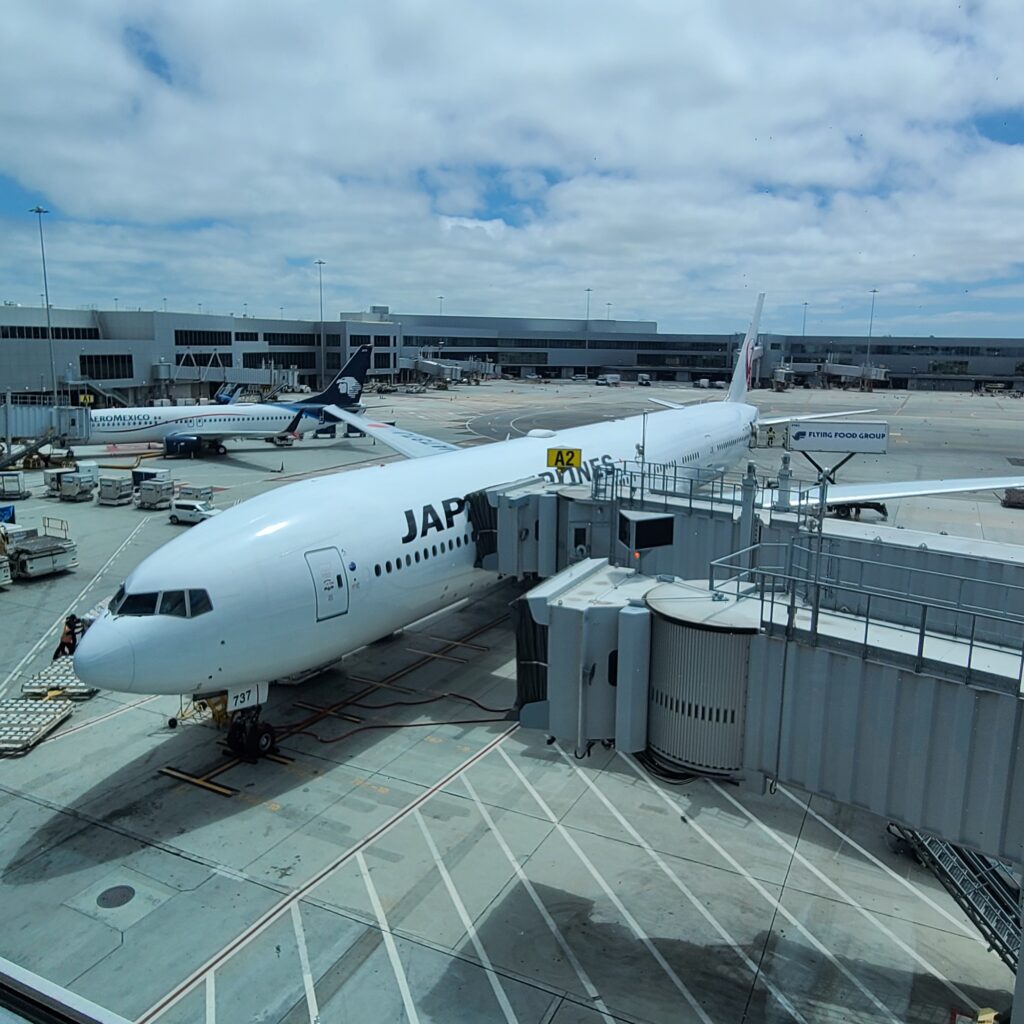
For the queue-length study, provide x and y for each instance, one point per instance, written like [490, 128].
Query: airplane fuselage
[128, 426]
[300, 576]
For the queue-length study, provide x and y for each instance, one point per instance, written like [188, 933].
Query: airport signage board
[565, 458]
[864, 438]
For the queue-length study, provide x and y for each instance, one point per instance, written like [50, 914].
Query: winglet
[741, 373]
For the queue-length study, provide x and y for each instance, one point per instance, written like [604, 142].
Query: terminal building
[133, 357]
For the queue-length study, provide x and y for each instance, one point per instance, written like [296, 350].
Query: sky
[673, 158]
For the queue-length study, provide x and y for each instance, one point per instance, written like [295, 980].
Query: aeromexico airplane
[213, 424]
[296, 578]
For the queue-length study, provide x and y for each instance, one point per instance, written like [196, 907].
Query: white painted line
[273, 913]
[686, 891]
[307, 974]
[589, 987]
[481, 953]
[70, 608]
[847, 898]
[765, 894]
[965, 929]
[634, 925]
[211, 999]
[389, 942]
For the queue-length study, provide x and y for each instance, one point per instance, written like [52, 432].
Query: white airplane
[295, 579]
[212, 425]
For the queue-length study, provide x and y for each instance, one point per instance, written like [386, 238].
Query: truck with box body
[609, 380]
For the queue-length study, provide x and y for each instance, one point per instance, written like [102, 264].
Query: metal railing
[667, 487]
[795, 584]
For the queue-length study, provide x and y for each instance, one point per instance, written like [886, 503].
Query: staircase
[984, 889]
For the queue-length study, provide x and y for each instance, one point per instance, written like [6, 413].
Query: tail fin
[741, 373]
[346, 388]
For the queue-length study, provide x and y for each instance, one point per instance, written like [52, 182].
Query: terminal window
[106, 367]
[202, 337]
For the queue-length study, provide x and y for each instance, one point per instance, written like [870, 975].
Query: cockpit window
[116, 600]
[172, 602]
[138, 604]
[199, 602]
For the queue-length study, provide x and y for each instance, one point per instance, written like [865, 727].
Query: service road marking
[765, 894]
[634, 925]
[467, 923]
[389, 942]
[686, 891]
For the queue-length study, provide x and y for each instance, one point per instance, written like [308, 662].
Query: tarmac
[433, 862]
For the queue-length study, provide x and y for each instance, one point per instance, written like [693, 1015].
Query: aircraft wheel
[261, 740]
[221, 450]
[236, 736]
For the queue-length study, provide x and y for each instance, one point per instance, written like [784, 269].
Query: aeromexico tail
[213, 424]
[300, 576]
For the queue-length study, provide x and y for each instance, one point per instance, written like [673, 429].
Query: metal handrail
[763, 580]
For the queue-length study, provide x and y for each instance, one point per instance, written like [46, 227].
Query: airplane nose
[105, 660]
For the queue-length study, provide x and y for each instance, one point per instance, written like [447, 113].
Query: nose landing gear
[248, 736]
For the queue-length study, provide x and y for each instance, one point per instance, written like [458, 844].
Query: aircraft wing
[405, 442]
[775, 421]
[846, 494]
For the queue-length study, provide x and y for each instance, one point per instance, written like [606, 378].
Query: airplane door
[329, 582]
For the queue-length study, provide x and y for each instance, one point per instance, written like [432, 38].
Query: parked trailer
[115, 490]
[12, 486]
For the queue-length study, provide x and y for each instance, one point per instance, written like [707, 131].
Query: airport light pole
[440, 305]
[323, 358]
[39, 211]
[803, 333]
[588, 291]
[608, 311]
[871, 323]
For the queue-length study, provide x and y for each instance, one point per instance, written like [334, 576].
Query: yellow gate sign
[565, 458]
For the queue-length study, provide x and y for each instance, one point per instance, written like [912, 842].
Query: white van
[189, 510]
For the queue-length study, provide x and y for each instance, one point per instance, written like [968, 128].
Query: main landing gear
[248, 736]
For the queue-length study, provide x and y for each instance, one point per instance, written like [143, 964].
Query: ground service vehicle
[189, 510]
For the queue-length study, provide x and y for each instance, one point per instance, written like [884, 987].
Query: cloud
[674, 158]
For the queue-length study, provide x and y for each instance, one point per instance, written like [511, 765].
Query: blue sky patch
[16, 201]
[513, 195]
[1003, 126]
[144, 48]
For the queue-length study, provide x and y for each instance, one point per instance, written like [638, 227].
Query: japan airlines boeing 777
[296, 578]
[212, 425]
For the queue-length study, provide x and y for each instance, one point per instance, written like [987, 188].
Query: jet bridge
[721, 636]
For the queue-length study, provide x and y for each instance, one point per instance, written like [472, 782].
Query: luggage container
[190, 492]
[12, 486]
[51, 478]
[154, 494]
[115, 490]
[76, 487]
